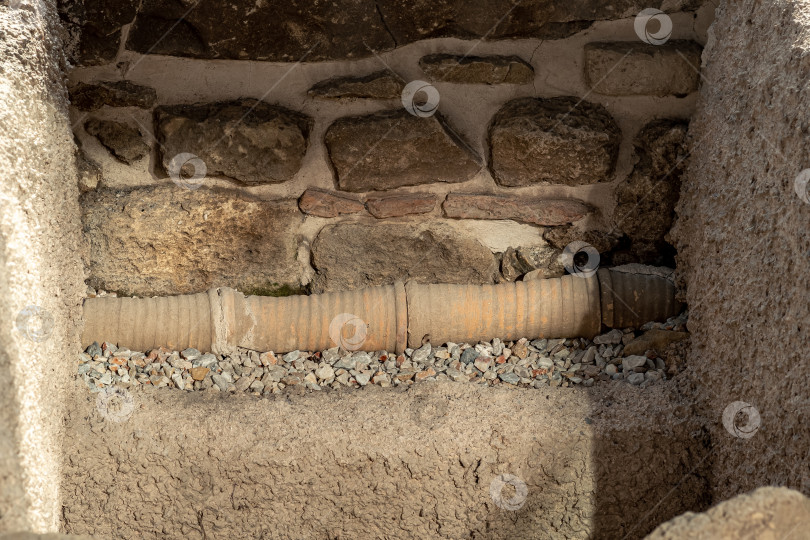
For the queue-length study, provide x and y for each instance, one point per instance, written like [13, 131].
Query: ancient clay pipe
[390, 317]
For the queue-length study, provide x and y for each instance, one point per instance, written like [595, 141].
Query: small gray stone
[509, 378]
[421, 354]
[469, 355]
[632, 362]
[325, 373]
[611, 338]
[191, 354]
[610, 369]
[363, 378]
[291, 357]
[635, 378]
[94, 350]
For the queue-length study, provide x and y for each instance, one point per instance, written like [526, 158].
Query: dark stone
[534, 210]
[645, 202]
[94, 28]
[355, 255]
[125, 142]
[379, 85]
[90, 97]
[392, 149]
[169, 240]
[477, 69]
[563, 140]
[249, 141]
[560, 237]
[541, 261]
[299, 30]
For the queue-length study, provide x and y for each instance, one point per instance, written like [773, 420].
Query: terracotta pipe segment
[388, 318]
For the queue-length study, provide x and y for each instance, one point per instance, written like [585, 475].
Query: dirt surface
[766, 514]
[743, 242]
[383, 463]
[39, 264]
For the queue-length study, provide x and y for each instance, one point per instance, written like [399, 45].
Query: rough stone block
[395, 148]
[125, 142]
[645, 201]
[249, 141]
[477, 69]
[401, 205]
[91, 97]
[379, 85]
[563, 140]
[355, 255]
[633, 68]
[534, 210]
[328, 204]
[169, 240]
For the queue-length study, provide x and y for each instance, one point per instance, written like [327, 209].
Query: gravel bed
[524, 363]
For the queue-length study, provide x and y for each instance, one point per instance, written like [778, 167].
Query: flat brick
[401, 205]
[537, 211]
[633, 68]
[328, 204]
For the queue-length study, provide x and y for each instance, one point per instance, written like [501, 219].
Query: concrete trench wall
[41, 275]
[743, 241]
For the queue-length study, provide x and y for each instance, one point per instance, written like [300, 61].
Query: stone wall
[41, 281]
[310, 155]
[743, 244]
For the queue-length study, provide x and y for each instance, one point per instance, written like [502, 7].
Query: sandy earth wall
[743, 242]
[382, 463]
[39, 265]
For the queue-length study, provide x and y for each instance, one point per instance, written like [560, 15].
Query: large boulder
[395, 148]
[356, 255]
[563, 140]
[169, 240]
[249, 141]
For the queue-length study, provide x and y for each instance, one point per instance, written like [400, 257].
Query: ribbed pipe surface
[564, 307]
[383, 318]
